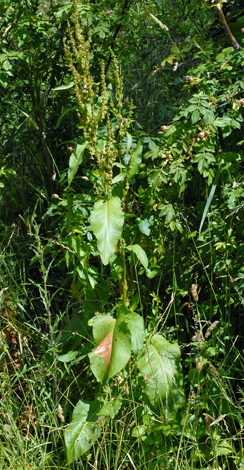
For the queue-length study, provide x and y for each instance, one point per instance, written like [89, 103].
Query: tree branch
[228, 31]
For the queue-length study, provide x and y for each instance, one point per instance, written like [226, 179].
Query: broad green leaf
[68, 257]
[64, 87]
[89, 109]
[119, 165]
[66, 111]
[222, 122]
[208, 117]
[119, 177]
[107, 221]
[195, 116]
[140, 253]
[113, 352]
[145, 224]
[139, 431]
[175, 49]
[102, 325]
[228, 50]
[135, 323]
[6, 65]
[220, 56]
[86, 426]
[117, 270]
[192, 107]
[210, 157]
[161, 368]
[75, 160]
[129, 142]
[82, 432]
[111, 408]
[69, 356]
[201, 165]
[136, 160]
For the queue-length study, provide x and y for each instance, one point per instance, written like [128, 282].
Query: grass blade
[210, 197]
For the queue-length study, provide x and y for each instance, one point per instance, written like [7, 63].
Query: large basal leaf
[161, 368]
[107, 220]
[75, 160]
[135, 324]
[86, 426]
[81, 433]
[113, 352]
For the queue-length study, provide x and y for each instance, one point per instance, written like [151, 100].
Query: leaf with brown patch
[113, 352]
[105, 349]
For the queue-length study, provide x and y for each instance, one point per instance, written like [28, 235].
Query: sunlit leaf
[135, 323]
[223, 448]
[107, 221]
[161, 369]
[80, 434]
[86, 426]
[136, 160]
[195, 116]
[140, 253]
[113, 352]
[75, 160]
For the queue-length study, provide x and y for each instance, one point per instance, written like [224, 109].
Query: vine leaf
[107, 220]
[113, 352]
[161, 368]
